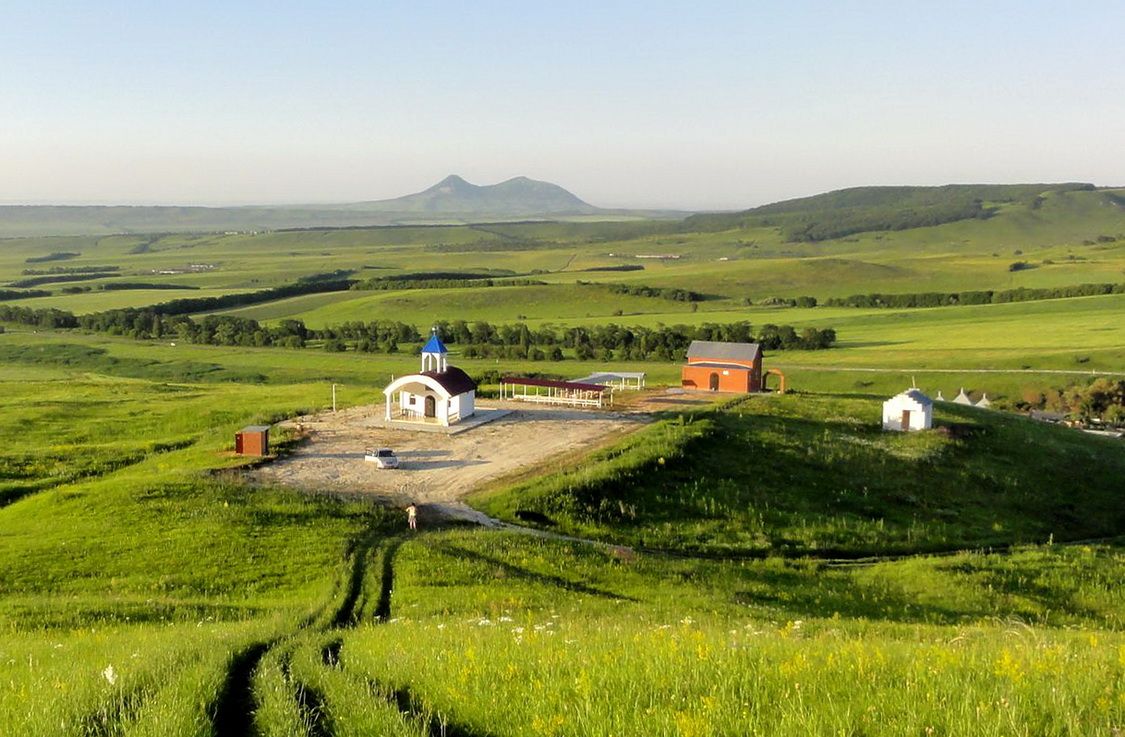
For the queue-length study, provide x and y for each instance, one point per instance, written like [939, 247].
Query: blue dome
[434, 346]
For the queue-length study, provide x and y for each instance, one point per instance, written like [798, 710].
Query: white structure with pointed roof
[908, 411]
[963, 398]
[440, 393]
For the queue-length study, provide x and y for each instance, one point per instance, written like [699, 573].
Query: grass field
[807, 475]
[163, 599]
[789, 569]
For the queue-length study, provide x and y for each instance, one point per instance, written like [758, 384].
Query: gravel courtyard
[436, 469]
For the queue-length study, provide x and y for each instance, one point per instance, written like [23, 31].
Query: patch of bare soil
[436, 469]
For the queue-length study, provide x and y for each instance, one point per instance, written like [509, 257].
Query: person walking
[412, 516]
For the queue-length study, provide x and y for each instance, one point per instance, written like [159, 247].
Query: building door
[906, 419]
[714, 382]
[431, 407]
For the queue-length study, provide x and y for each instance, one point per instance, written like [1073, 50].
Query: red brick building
[722, 367]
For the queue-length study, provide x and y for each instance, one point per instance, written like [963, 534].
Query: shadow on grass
[523, 573]
[818, 593]
[415, 710]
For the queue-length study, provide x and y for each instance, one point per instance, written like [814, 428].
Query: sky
[693, 105]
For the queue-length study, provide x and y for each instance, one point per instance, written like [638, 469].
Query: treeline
[388, 284]
[6, 294]
[57, 256]
[381, 336]
[36, 281]
[480, 338]
[1102, 400]
[620, 267]
[39, 318]
[672, 293]
[607, 342]
[69, 270]
[124, 285]
[189, 305]
[783, 302]
[980, 297]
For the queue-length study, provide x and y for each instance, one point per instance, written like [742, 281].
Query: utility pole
[333, 397]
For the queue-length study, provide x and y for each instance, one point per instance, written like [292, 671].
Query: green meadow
[772, 565]
[152, 593]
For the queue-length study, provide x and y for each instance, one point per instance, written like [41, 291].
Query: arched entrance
[780, 380]
[431, 406]
[713, 382]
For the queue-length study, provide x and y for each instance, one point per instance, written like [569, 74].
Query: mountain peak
[452, 183]
[519, 196]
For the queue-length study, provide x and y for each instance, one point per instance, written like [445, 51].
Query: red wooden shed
[722, 367]
[253, 440]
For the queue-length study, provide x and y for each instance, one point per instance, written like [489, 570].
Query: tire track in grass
[402, 698]
[233, 709]
[387, 581]
[347, 614]
[311, 704]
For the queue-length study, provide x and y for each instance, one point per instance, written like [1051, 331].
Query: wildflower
[110, 674]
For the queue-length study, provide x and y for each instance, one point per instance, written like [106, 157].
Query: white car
[382, 458]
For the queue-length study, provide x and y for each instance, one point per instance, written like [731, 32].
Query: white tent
[963, 398]
[910, 410]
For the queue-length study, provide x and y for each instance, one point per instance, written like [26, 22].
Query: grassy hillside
[860, 209]
[166, 600]
[146, 589]
[816, 475]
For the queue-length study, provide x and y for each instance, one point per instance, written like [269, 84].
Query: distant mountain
[512, 198]
[450, 201]
[845, 212]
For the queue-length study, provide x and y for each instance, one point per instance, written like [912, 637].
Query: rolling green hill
[861, 209]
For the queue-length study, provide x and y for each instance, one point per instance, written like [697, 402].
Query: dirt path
[436, 469]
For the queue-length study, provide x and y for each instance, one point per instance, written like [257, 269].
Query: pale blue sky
[695, 105]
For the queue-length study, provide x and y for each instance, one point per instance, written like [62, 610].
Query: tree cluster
[1101, 400]
[606, 342]
[39, 318]
[981, 297]
[6, 294]
[639, 290]
[389, 284]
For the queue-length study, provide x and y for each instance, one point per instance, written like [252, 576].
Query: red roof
[554, 384]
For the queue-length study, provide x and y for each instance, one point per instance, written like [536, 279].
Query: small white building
[908, 411]
[963, 398]
[440, 394]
